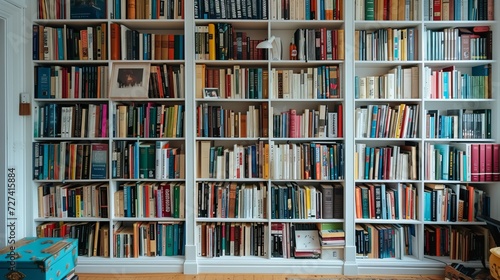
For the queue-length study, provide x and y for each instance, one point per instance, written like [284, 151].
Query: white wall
[14, 43]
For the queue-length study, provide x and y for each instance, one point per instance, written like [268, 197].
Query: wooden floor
[241, 277]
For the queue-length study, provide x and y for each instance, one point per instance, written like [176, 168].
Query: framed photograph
[210, 93]
[129, 80]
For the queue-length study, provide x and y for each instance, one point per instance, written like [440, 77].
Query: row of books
[235, 82]
[306, 10]
[71, 82]
[459, 43]
[148, 9]
[450, 83]
[386, 163]
[386, 121]
[322, 82]
[67, 9]
[311, 123]
[464, 243]
[306, 161]
[150, 200]
[232, 200]
[148, 239]
[381, 201]
[147, 160]
[471, 162]
[319, 44]
[231, 162]
[65, 121]
[293, 201]
[388, 44]
[458, 10]
[230, 9]
[455, 203]
[93, 237]
[166, 81]
[458, 124]
[220, 41]
[129, 44]
[149, 120]
[397, 83]
[215, 121]
[232, 239]
[63, 200]
[386, 10]
[70, 161]
[70, 43]
[380, 241]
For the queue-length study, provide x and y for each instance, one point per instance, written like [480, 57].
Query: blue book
[380, 165]
[180, 120]
[396, 204]
[99, 161]
[35, 46]
[446, 93]
[43, 82]
[154, 11]
[60, 44]
[428, 205]
[255, 171]
[176, 240]
[52, 120]
[374, 121]
[259, 83]
[367, 162]
[118, 9]
[444, 151]
[356, 87]
[88, 9]
[384, 201]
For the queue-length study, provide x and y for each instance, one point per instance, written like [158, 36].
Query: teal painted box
[38, 258]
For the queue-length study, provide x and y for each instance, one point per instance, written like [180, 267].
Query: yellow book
[78, 206]
[340, 53]
[200, 80]
[265, 173]
[308, 201]
[399, 122]
[211, 41]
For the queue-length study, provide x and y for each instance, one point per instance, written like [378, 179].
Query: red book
[371, 200]
[488, 161]
[340, 121]
[474, 163]
[436, 10]
[496, 162]
[470, 196]
[171, 46]
[482, 162]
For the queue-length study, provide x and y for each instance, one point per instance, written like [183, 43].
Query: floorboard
[240, 277]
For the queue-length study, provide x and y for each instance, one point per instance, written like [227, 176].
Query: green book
[369, 9]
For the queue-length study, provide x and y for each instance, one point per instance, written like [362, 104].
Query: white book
[90, 38]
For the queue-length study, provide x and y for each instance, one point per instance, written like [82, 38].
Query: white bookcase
[351, 264]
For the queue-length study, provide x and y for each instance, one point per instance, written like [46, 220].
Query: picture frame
[210, 93]
[129, 80]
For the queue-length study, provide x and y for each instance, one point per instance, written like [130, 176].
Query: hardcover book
[88, 9]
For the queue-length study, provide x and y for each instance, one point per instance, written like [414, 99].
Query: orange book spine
[171, 46]
[115, 41]
[130, 9]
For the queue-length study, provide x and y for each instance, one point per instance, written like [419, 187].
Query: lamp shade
[266, 44]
